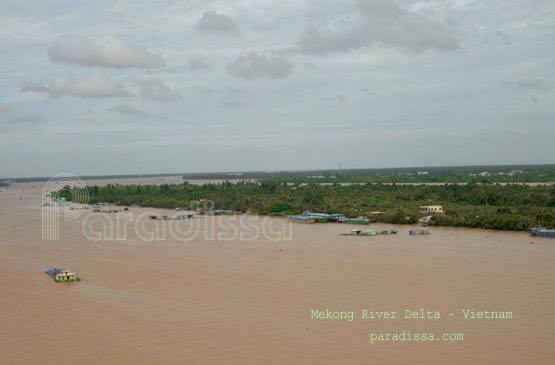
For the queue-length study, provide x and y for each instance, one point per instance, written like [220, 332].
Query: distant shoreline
[250, 175]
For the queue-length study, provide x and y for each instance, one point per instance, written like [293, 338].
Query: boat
[96, 210]
[336, 217]
[181, 208]
[358, 232]
[357, 220]
[327, 216]
[388, 231]
[354, 232]
[419, 231]
[302, 219]
[542, 232]
[307, 219]
[216, 212]
[369, 233]
[310, 214]
[62, 275]
[171, 218]
[135, 205]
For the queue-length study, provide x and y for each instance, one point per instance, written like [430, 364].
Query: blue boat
[542, 232]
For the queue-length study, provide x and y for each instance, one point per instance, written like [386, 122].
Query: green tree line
[494, 206]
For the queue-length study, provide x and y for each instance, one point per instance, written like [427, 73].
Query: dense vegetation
[495, 206]
[499, 173]
[505, 173]
[413, 177]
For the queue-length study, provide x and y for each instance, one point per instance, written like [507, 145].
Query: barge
[62, 275]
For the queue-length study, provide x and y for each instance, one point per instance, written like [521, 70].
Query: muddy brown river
[248, 290]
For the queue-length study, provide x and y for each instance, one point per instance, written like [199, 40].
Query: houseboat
[357, 220]
[388, 231]
[336, 217]
[419, 231]
[327, 216]
[62, 275]
[358, 232]
[301, 219]
[216, 212]
[307, 219]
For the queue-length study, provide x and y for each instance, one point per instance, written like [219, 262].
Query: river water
[243, 290]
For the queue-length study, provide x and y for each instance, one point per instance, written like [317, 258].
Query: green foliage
[282, 207]
[495, 206]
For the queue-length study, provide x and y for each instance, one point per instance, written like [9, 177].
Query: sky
[119, 87]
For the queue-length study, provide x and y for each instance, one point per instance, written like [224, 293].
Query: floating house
[419, 231]
[388, 231]
[307, 219]
[357, 220]
[328, 217]
[216, 212]
[358, 232]
[172, 218]
[96, 210]
[62, 275]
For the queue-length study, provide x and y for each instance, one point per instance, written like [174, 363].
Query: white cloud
[104, 51]
[213, 22]
[92, 87]
[254, 66]
[155, 89]
[126, 109]
[383, 22]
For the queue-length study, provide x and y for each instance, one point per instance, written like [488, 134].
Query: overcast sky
[110, 87]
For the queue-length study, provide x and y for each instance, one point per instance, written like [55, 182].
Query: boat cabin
[66, 275]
